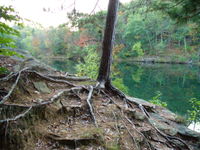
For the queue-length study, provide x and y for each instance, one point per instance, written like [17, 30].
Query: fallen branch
[90, 105]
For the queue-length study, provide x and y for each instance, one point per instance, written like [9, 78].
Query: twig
[94, 7]
[6, 128]
[90, 105]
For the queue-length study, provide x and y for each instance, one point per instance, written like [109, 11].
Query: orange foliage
[36, 42]
[85, 40]
[118, 48]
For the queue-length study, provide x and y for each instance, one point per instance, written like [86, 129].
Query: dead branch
[90, 105]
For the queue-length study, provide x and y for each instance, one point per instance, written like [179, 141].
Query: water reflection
[62, 64]
[177, 83]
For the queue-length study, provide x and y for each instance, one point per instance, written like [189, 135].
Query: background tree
[180, 10]
[8, 14]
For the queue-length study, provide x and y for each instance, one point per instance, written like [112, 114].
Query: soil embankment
[42, 109]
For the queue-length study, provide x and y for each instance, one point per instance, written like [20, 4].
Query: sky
[34, 9]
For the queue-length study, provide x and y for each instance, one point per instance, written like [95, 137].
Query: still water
[177, 83]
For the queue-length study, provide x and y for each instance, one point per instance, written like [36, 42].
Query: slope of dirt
[43, 109]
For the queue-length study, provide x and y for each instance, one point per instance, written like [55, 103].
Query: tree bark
[106, 58]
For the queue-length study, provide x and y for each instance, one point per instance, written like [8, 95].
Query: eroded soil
[48, 109]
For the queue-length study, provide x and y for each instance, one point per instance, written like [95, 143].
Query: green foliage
[137, 49]
[138, 32]
[157, 100]
[136, 76]
[8, 14]
[91, 63]
[181, 11]
[118, 82]
[3, 70]
[194, 114]
[7, 52]
[181, 119]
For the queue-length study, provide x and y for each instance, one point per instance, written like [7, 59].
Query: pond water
[176, 83]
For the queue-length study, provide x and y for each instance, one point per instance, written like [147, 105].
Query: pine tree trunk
[106, 58]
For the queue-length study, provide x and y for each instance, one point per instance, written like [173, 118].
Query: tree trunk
[106, 58]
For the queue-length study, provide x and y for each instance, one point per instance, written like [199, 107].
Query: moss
[113, 146]
[180, 119]
[92, 133]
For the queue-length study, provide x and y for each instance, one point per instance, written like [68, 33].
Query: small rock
[164, 127]
[139, 115]
[16, 68]
[41, 87]
[187, 132]
[39, 100]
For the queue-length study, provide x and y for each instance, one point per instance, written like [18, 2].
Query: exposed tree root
[17, 117]
[51, 100]
[10, 76]
[90, 105]
[13, 86]
[72, 143]
[51, 79]
[167, 137]
[132, 137]
[70, 78]
[170, 139]
[84, 95]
